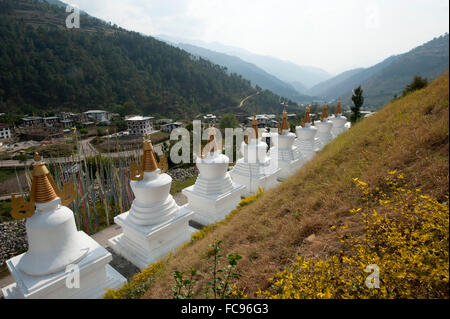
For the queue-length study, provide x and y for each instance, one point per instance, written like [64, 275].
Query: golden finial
[43, 190]
[148, 163]
[324, 115]
[307, 118]
[338, 108]
[212, 145]
[255, 127]
[246, 139]
[285, 124]
[148, 157]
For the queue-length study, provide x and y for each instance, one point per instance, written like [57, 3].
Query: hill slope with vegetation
[404, 148]
[46, 67]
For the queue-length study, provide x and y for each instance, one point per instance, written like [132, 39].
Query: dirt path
[243, 101]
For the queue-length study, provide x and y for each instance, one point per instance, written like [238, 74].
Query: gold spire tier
[285, 124]
[338, 108]
[43, 190]
[149, 163]
[255, 127]
[307, 118]
[324, 115]
[42, 187]
[212, 145]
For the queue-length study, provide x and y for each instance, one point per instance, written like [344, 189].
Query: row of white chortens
[155, 224]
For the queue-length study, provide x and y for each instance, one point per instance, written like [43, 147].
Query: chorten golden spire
[324, 115]
[307, 118]
[148, 163]
[285, 124]
[43, 190]
[338, 108]
[212, 143]
[148, 157]
[255, 127]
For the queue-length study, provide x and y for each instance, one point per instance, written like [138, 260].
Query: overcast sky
[333, 35]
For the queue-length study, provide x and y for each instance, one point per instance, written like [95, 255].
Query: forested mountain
[388, 78]
[286, 71]
[249, 71]
[325, 88]
[300, 87]
[46, 67]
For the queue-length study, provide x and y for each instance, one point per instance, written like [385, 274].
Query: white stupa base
[142, 245]
[94, 272]
[287, 161]
[340, 125]
[306, 150]
[323, 139]
[338, 131]
[288, 168]
[211, 208]
[255, 175]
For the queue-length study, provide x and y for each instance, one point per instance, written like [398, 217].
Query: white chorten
[256, 169]
[284, 153]
[58, 254]
[339, 121]
[214, 194]
[323, 129]
[305, 142]
[155, 224]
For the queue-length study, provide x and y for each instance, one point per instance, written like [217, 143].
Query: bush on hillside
[417, 84]
[406, 243]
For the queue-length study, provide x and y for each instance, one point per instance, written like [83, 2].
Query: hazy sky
[333, 35]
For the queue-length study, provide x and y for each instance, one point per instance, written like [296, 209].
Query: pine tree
[358, 101]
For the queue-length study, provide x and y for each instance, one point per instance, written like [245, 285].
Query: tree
[358, 101]
[228, 121]
[417, 84]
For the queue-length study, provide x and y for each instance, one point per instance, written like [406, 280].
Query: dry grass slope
[410, 135]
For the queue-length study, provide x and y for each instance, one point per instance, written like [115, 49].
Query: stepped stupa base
[287, 162]
[288, 168]
[95, 275]
[210, 208]
[255, 176]
[143, 245]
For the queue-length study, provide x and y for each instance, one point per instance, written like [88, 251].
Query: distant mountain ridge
[286, 71]
[388, 78]
[249, 71]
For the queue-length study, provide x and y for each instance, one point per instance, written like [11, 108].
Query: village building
[31, 121]
[209, 118]
[168, 128]
[5, 131]
[140, 125]
[51, 121]
[163, 121]
[98, 116]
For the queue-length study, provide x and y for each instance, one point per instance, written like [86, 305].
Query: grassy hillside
[409, 135]
[46, 67]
